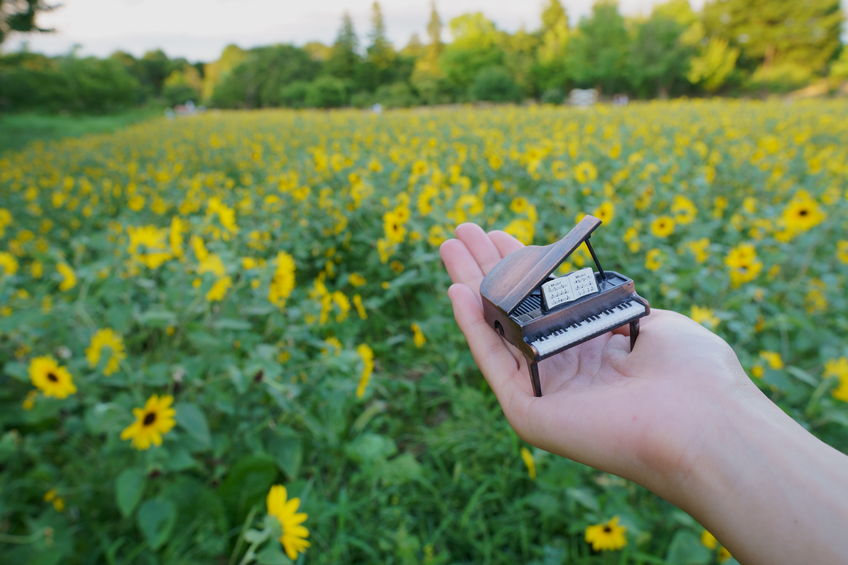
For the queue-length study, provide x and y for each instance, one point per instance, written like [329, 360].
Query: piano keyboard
[596, 324]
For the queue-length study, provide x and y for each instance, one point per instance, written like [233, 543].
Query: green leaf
[272, 554]
[17, 370]
[104, 417]
[157, 318]
[235, 324]
[247, 483]
[686, 549]
[255, 536]
[287, 450]
[156, 519]
[191, 418]
[128, 489]
[370, 447]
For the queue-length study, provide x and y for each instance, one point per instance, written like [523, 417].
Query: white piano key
[601, 322]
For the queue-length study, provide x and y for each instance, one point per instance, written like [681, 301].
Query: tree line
[730, 47]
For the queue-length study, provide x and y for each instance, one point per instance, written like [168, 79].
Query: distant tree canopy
[729, 47]
[20, 15]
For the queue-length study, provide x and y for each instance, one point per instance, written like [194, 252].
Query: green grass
[19, 130]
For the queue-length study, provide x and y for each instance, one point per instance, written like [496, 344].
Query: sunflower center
[803, 212]
[51, 376]
[607, 529]
[149, 418]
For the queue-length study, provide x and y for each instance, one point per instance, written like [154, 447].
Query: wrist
[756, 477]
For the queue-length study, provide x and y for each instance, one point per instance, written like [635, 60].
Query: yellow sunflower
[51, 378]
[367, 356]
[802, 213]
[662, 226]
[654, 259]
[151, 422]
[704, 316]
[8, 264]
[607, 536]
[291, 521]
[282, 284]
[743, 263]
[605, 212]
[111, 340]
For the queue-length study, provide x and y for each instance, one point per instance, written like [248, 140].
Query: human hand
[639, 414]
[677, 414]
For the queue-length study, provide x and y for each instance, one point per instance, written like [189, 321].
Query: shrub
[396, 95]
[495, 84]
[779, 78]
[326, 92]
[553, 96]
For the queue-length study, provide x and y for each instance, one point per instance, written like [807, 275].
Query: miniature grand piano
[542, 314]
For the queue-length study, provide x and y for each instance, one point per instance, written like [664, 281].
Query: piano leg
[534, 377]
[634, 332]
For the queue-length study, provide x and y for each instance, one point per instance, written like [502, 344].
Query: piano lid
[517, 274]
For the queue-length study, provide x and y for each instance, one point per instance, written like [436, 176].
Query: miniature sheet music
[569, 287]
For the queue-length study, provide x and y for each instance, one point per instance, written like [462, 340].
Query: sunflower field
[225, 338]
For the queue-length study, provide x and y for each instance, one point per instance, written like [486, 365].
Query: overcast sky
[199, 29]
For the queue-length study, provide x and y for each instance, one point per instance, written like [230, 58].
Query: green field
[276, 275]
[19, 130]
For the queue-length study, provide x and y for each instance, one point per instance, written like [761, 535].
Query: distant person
[678, 415]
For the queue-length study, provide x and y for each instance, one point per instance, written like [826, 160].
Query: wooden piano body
[513, 306]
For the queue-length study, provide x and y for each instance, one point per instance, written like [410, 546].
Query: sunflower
[418, 337]
[663, 226]
[527, 457]
[151, 422]
[291, 521]
[149, 245]
[709, 541]
[367, 356]
[743, 263]
[654, 260]
[106, 338]
[51, 378]
[704, 316]
[393, 227]
[282, 283]
[802, 213]
[69, 277]
[607, 536]
[605, 212]
[8, 264]
[842, 250]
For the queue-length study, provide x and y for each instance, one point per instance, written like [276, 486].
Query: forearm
[769, 490]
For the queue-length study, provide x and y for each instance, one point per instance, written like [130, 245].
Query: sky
[199, 29]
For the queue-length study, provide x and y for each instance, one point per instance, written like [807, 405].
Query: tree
[154, 67]
[598, 51]
[477, 44]
[216, 72]
[260, 79]
[414, 48]
[380, 56]
[659, 58]
[713, 65]
[519, 57]
[769, 32]
[550, 70]
[495, 84]
[344, 58]
[183, 85]
[19, 16]
[427, 76]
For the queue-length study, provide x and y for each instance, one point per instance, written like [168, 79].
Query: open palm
[631, 413]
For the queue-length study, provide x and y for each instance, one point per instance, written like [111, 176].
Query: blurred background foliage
[732, 47]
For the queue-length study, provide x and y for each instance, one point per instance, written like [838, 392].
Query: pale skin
[677, 415]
